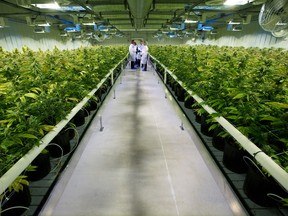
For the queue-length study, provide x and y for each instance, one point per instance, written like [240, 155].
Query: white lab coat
[139, 53]
[144, 57]
[132, 52]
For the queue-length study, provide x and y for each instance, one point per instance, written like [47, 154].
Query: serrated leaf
[17, 140]
[22, 99]
[47, 127]
[239, 96]
[73, 99]
[4, 121]
[31, 95]
[269, 118]
[278, 105]
[29, 136]
[36, 90]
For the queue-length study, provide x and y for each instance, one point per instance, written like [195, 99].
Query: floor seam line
[166, 163]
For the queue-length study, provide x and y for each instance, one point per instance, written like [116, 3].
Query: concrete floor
[142, 163]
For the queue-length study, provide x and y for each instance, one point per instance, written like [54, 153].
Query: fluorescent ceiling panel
[236, 2]
[53, 5]
[206, 7]
[72, 8]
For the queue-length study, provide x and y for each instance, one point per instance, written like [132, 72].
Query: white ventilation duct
[139, 9]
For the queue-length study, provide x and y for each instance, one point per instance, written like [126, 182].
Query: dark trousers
[138, 62]
[144, 67]
[132, 64]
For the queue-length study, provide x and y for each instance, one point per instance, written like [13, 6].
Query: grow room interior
[202, 131]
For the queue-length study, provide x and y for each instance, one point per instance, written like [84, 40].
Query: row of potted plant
[38, 89]
[246, 86]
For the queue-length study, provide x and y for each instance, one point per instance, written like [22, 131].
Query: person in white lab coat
[132, 52]
[138, 54]
[144, 57]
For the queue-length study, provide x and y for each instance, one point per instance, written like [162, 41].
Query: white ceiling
[145, 16]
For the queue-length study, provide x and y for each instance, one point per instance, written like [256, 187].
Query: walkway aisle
[142, 163]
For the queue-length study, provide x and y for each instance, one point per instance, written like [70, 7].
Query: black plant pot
[42, 161]
[71, 133]
[71, 128]
[79, 118]
[205, 126]
[175, 86]
[63, 140]
[233, 157]
[197, 115]
[169, 81]
[98, 94]
[217, 141]
[104, 89]
[257, 186]
[21, 198]
[180, 93]
[92, 105]
[189, 102]
[86, 111]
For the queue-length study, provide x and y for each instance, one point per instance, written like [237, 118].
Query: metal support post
[101, 124]
[182, 126]
[112, 78]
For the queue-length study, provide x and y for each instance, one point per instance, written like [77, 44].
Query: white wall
[17, 35]
[251, 36]
[20, 34]
[147, 37]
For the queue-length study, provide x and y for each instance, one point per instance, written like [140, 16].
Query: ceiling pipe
[21, 7]
[139, 10]
[88, 10]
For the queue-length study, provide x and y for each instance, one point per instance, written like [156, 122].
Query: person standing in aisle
[132, 52]
[139, 53]
[144, 57]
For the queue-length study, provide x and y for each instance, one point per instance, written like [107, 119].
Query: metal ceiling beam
[88, 10]
[139, 10]
[20, 7]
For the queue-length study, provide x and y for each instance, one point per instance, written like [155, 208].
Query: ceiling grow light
[51, 5]
[191, 19]
[41, 29]
[2, 22]
[87, 21]
[236, 2]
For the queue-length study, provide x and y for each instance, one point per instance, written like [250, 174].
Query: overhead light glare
[191, 18]
[73, 8]
[53, 5]
[234, 22]
[190, 21]
[237, 28]
[2, 22]
[281, 24]
[43, 24]
[89, 23]
[41, 29]
[236, 2]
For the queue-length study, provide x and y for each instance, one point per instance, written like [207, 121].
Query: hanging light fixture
[237, 2]
[2, 22]
[87, 21]
[51, 5]
[191, 19]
